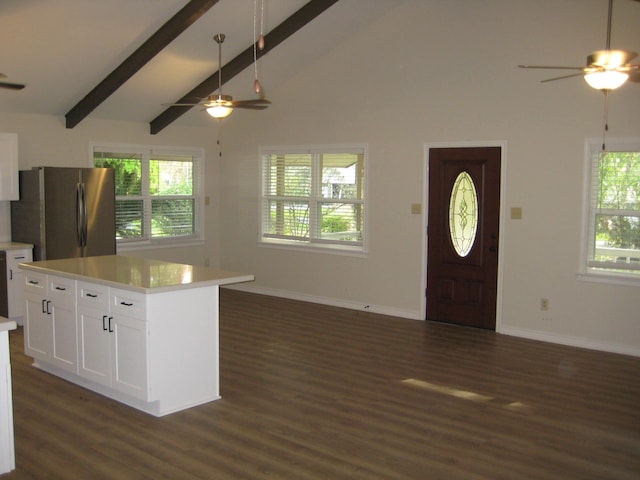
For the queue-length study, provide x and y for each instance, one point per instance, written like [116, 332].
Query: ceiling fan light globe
[606, 79]
[219, 106]
[220, 111]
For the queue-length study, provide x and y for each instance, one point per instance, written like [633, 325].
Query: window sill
[147, 245]
[609, 278]
[316, 248]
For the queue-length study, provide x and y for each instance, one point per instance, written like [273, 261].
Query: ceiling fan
[9, 85]
[606, 69]
[218, 105]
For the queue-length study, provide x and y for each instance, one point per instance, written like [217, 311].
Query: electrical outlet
[544, 304]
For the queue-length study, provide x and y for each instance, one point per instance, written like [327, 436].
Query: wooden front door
[463, 234]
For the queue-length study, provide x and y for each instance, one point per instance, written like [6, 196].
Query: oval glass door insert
[463, 214]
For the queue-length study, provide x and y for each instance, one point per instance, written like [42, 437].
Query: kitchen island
[143, 332]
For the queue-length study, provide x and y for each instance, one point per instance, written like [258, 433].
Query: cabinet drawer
[62, 290]
[16, 257]
[35, 283]
[93, 296]
[131, 304]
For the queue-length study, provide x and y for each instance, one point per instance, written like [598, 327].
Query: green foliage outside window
[618, 223]
[170, 187]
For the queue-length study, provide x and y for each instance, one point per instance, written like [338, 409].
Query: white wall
[428, 71]
[43, 140]
[445, 71]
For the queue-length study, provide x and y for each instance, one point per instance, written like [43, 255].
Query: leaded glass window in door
[463, 214]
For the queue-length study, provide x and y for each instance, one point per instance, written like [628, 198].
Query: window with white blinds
[613, 193]
[158, 193]
[314, 197]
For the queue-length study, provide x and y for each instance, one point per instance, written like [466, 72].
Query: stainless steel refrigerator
[65, 212]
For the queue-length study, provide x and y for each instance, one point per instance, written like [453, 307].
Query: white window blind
[158, 193]
[613, 237]
[314, 196]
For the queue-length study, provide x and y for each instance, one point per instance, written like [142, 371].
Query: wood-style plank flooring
[316, 392]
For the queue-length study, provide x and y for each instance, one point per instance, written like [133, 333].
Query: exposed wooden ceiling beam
[191, 12]
[283, 31]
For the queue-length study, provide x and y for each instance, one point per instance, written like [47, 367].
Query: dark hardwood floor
[316, 392]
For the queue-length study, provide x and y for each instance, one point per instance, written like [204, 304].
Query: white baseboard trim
[570, 341]
[333, 302]
[413, 315]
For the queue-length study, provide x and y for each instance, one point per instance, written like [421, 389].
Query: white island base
[150, 344]
[182, 356]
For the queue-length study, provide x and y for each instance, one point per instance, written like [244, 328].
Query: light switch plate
[516, 213]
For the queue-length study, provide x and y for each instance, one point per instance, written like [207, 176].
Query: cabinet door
[9, 166]
[38, 331]
[129, 357]
[62, 293]
[15, 281]
[94, 346]
[65, 345]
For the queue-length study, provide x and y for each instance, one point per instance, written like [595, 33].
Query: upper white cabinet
[9, 166]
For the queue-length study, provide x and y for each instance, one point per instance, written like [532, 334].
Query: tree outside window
[314, 197]
[614, 237]
[157, 194]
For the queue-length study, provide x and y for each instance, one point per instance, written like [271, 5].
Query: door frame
[502, 216]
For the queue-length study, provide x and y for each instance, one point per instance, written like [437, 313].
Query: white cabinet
[146, 332]
[15, 277]
[7, 447]
[12, 301]
[50, 320]
[112, 338]
[9, 166]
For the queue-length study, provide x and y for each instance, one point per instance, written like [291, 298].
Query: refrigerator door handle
[79, 213]
[84, 216]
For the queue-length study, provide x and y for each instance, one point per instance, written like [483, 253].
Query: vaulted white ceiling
[62, 49]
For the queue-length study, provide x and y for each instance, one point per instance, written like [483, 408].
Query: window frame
[591, 270]
[147, 152]
[315, 199]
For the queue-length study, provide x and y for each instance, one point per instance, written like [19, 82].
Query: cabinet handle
[110, 328]
[126, 304]
[91, 295]
[104, 325]
[19, 258]
[11, 274]
[34, 282]
[62, 289]
[48, 305]
[44, 309]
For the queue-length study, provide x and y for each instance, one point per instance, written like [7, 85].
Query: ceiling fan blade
[251, 107]
[634, 73]
[550, 67]
[181, 104]
[246, 103]
[12, 86]
[562, 77]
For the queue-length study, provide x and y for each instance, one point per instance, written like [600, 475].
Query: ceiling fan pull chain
[218, 142]
[605, 127]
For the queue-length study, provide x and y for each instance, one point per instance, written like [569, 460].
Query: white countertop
[14, 245]
[6, 324]
[137, 274]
